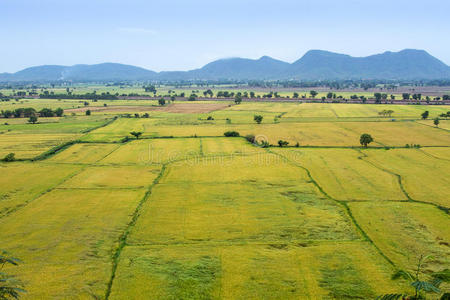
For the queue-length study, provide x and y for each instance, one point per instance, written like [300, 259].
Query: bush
[88, 112]
[125, 139]
[231, 134]
[250, 138]
[282, 143]
[210, 118]
[9, 157]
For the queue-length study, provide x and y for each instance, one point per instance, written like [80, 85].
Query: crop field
[183, 212]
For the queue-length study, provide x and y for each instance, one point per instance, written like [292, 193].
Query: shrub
[258, 119]
[282, 143]
[250, 138]
[9, 157]
[210, 118]
[231, 133]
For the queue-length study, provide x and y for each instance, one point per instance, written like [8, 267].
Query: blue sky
[181, 35]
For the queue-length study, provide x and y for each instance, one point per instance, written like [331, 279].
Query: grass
[421, 175]
[333, 169]
[130, 177]
[404, 231]
[65, 239]
[84, 153]
[252, 272]
[185, 213]
[154, 151]
[240, 213]
[23, 182]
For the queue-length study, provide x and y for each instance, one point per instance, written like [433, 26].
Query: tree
[258, 119]
[436, 122]
[365, 139]
[162, 101]
[313, 94]
[231, 134]
[329, 95]
[46, 112]
[59, 112]
[33, 119]
[425, 115]
[10, 287]
[295, 95]
[8, 158]
[282, 143]
[192, 97]
[238, 99]
[405, 96]
[88, 112]
[252, 94]
[377, 98]
[136, 134]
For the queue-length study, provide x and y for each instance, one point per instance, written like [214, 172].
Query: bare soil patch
[187, 108]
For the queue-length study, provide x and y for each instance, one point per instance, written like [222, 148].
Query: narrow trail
[124, 236]
[400, 182]
[340, 202]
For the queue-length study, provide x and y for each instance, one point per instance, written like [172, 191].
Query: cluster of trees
[386, 112]
[70, 95]
[30, 112]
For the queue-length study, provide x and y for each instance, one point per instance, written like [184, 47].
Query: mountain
[314, 65]
[406, 64]
[98, 72]
[242, 68]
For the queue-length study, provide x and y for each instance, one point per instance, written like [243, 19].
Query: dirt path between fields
[187, 108]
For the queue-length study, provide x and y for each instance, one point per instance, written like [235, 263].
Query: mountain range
[407, 64]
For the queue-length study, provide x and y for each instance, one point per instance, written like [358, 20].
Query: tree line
[29, 112]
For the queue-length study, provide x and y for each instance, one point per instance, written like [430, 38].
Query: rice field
[186, 213]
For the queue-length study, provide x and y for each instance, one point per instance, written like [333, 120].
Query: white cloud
[137, 30]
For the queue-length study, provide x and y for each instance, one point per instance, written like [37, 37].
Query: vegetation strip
[342, 203]
[20, 206]
[402, 187]
[123, 238]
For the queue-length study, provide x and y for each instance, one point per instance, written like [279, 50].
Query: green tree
[238, 99]
[231, 134]
[258, 119]
[436, 122]
[425, 115]
[252, 94]
[377, 98]
[33, 119]
[136, 134]
[282, 143]
[59, 112]
[365, 139]
[313, 94]
[8, 158]
[295, 95]
[192, 97]
[162, 101]
[88, 112]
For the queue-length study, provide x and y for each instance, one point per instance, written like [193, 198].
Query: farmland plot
[345, 176]
[66, 238]
[421, 174]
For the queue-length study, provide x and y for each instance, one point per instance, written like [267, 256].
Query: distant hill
[98, 72]
[406, 64]
[314, 65]
[242, 68]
